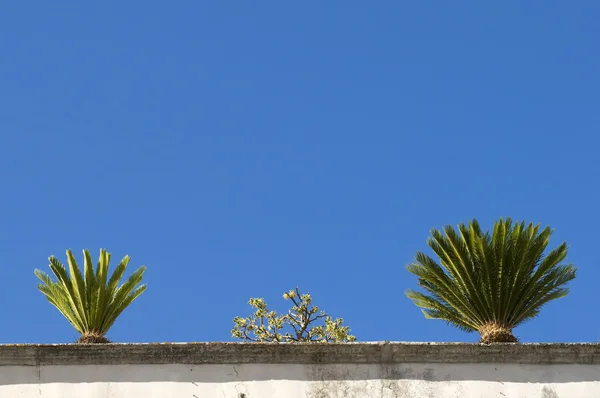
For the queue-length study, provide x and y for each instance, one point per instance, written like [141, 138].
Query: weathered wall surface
[293, 371]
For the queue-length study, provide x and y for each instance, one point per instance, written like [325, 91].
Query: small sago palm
[91, 301]
[490, 283]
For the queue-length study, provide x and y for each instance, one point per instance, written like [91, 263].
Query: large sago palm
[490, 283]
[91, 301]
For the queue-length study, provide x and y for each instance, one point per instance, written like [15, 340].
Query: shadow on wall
[503, 373]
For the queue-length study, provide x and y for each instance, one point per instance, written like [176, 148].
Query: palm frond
[57, 296]
[103, 298]
[90, 281]
[60, 272]
[121, 306]
[87, 300]
[483, 278]
[442, 287]
[78, 288]
[121, 297]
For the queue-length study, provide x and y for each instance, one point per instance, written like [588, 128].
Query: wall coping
[287, 353]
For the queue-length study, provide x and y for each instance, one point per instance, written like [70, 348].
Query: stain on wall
[382, 381]
[548, 392]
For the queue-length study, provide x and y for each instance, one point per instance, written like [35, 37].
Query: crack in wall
[39, 374]
[241, 388]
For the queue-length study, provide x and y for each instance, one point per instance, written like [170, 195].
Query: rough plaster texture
[361, 370]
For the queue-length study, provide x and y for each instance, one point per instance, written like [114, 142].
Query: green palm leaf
[490, 283]
[88, 301]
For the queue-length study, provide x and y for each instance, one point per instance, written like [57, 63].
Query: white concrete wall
[432, 380]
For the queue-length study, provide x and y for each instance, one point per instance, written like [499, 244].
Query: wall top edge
[286, 353]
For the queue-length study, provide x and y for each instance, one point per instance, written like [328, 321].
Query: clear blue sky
[238, 149]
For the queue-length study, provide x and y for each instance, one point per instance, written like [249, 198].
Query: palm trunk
[493, 332]
[92, 338]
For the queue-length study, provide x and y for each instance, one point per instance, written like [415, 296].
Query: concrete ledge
[347, 353]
